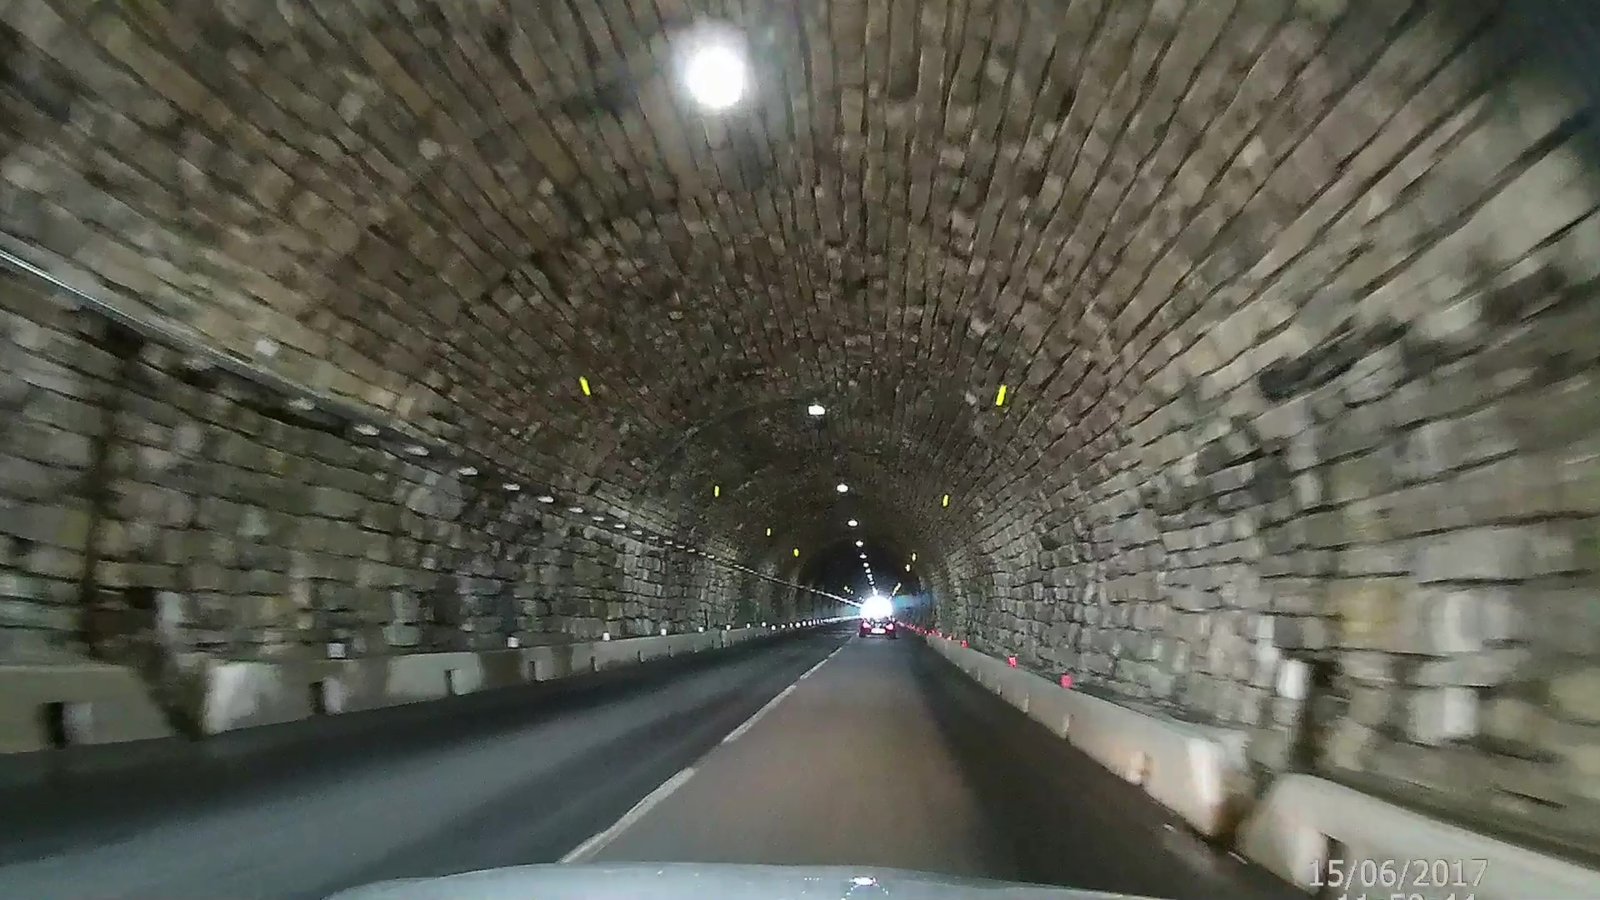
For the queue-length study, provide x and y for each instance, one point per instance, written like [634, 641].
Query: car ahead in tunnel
[879, 627]
[695, 881]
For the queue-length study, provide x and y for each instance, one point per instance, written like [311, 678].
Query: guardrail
[50, 706]
[1318, 835]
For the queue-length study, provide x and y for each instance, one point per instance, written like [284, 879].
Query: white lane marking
[813, 669]
[594, 844]
[598, 842]
[750, 722]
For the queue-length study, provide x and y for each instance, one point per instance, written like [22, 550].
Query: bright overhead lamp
[842, 488]
[858, 543]
[715, 74]
[816, 409]
[852, 523]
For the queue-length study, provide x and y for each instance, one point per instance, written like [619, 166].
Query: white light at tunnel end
[715, 72]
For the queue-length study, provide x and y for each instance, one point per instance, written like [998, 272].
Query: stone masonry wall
[1351, 502]
[157, 512]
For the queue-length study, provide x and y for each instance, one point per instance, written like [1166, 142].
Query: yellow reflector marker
[716, 490]
[1000, 397]
[797, 553]
[584, 383]
[946, 500]
[769, 532]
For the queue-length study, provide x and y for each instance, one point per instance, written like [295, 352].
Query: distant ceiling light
[575, 510]
[841, 487]
[863, 556]
[302, 404]
[368, 430]
[598, 518]
[816, 409]
[716, 490]
[417, 450]
[913, 557]
[945, 501]
[797, 553]
[467, 470]
[715, 75]
[583, 384]
[511, 486]
[1000, 396]
[908, 567]
[621, 526]
[852, 523]
[858, 543]
[546, 498]
[637, 532]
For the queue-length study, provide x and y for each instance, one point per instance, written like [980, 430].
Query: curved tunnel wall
[1293, 300]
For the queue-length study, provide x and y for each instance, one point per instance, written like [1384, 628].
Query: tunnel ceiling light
[858, 543]
[816, 409]
[621, 526]
[945, 501]
[467, 470]
[797, 553]
[511, 486]
[637, 532]
[908, 567]
[546, 498]
[715, 74]
[716, 490]
[368, 430]
[769, 531]
[417, 450]
[1000, 396]
[842, 488]
[913, 557]
[302, 404]
[852, 523]
[598, 518]
[575, 510]
[863, 556]
[583, 385]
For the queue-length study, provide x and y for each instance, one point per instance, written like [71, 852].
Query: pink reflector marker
[1011, 661]
[1066, 681]
[963, 643]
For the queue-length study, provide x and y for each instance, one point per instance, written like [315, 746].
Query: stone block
[1494, 553]
[1483, 668]
[1438, 715]
[1576, 694]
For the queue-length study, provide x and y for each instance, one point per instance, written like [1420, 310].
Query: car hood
[696, 881]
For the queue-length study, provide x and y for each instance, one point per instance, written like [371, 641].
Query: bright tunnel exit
[876, 606]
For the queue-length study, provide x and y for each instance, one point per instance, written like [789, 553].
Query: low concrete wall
[1185, 767]
[1304, 825]
[103, 704]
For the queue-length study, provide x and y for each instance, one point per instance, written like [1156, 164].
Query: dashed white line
[750, 722]
[595, 844]
[820, 664]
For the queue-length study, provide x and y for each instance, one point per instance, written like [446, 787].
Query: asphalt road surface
[882, 755]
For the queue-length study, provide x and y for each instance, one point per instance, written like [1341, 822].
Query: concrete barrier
[45, 706]
[1184, 767]
[1301, 823]
[1307, 825]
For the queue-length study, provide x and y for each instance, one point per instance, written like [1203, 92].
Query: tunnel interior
[1236, 357]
